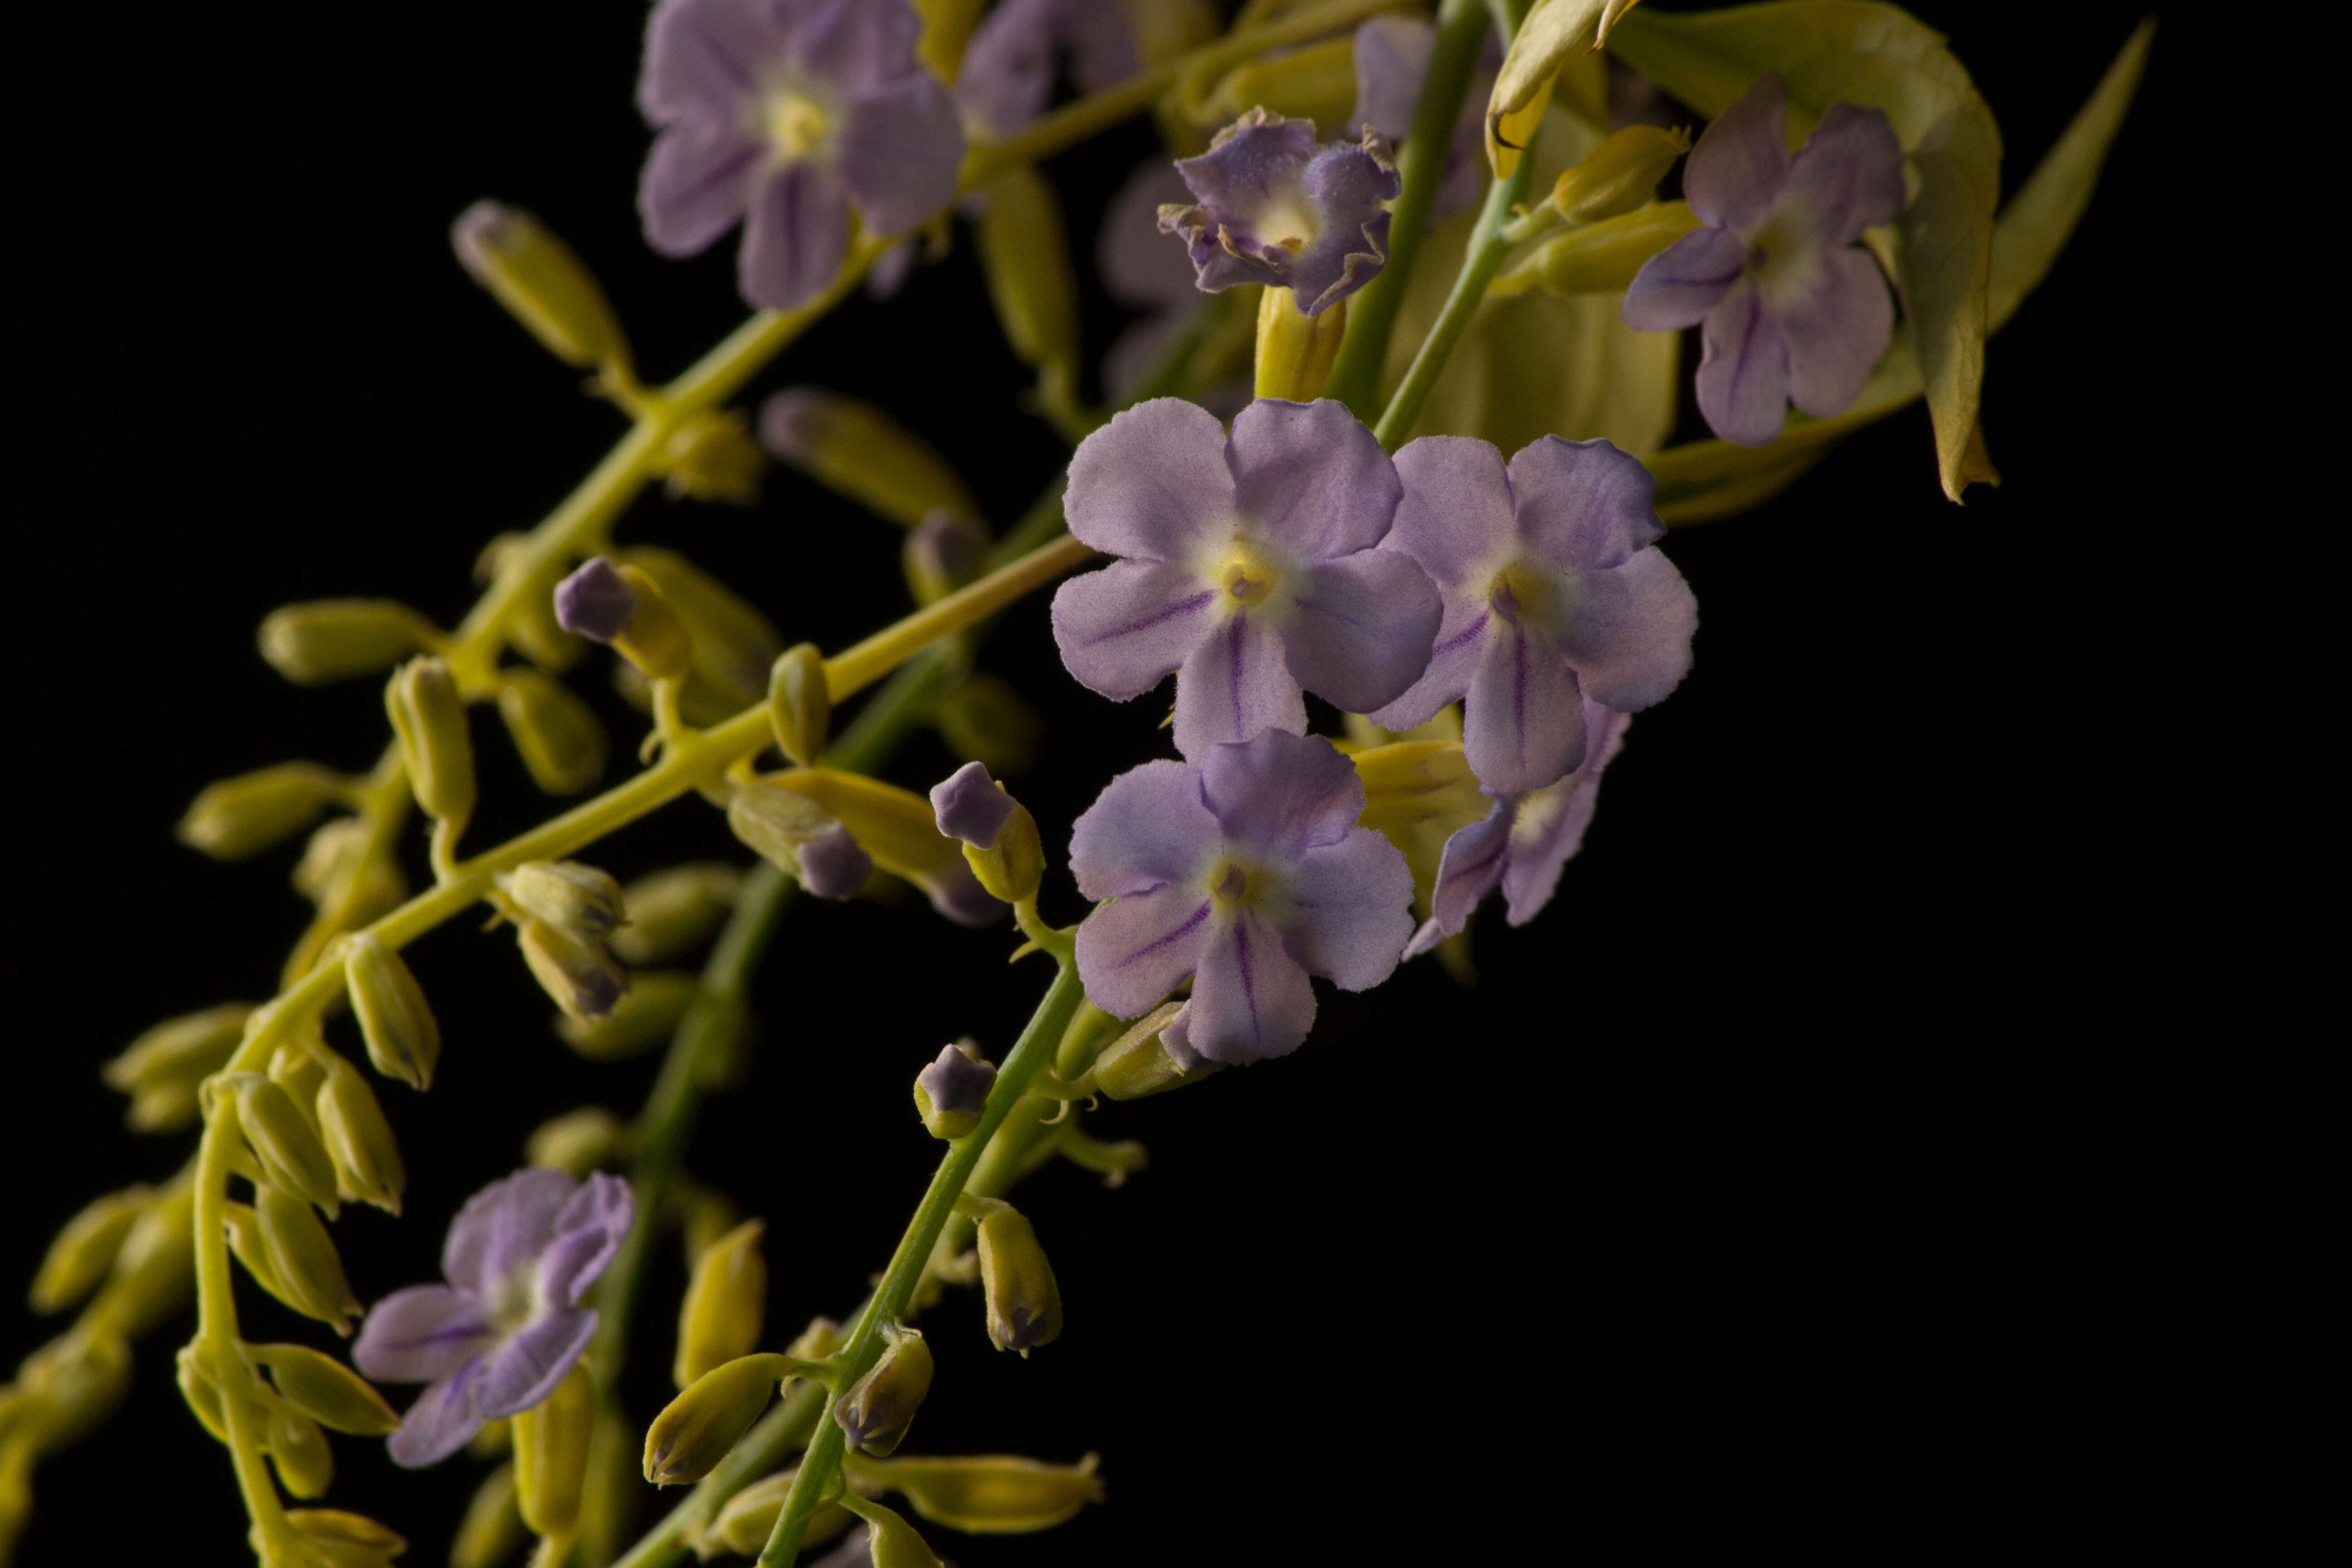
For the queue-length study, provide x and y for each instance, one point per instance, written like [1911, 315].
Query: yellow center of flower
[1288, 224]
[1521, 593]
[514, 1297]
[1246, 576]
[1235, 884]
[796, 124]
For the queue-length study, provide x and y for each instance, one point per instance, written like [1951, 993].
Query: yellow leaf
[1553, 31]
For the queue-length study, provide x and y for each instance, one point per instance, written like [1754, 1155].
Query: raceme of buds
[325, 1390]
[1620, 175]
[559, 737]
[160, 1070]
[876, 1410]
[251, 812]
[744, 1525]
[578, 900]
[1603, 258]
[200, 1387]
[335, 639]
[952, 1092]
[800, 704]
[712, 457]
[335, 1539]
[800, 837]
[696, 1430]
[429, 716]
[1027, 258]
[86, 1247]
[999, 835]
[403, 1040]
[306, 1466]
[990, 1494]
[551, 1443]
[647, 1014]
[368, 1167]
[726, 1300]
[1295, 351]
[577, 1141]
[945, 551]
[674, 911]
[1025, 1304]
[855, 449]
[541, 282]
[282, 1139]
[585, 981]
[1146, 1059]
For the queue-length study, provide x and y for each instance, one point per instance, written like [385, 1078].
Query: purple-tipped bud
[833, 865]
[595, 602]
[969, 807]
[952, 1092]
[944, 552]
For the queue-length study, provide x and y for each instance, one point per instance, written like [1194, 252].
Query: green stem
[1355, 378]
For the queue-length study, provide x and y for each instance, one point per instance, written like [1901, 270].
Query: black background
[1854, 1165]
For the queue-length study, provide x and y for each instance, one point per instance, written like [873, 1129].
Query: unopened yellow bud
[1620, 175]
[577, 1141]
[583, 979]
[673, 911]
[308, 1274]
[985, 721]
[541, 282]
[306, 1466]
[578, 900]
[990, 1494]
[1407, 782]
[1025, 1304]
[749, 1517]
[1014, 866]
[890, 1540]
[1026, 259]
[696, 1430]
[1144, 1061]
[200, 1387]
[492, 1528]
[299, 1067]
[343, 866]
[368, 1166]
[559, 737]
[551, 1443]
[291, 1153]
[726, 1301]
[335, 1539]
[712, 457]
[403, 1040]
[878, 1408]
[855, 449]
[76, 1381]
[1602, 257]
[86, 1247]
[799, 704]
[251, 812]
[646, 1014]
[429, 717]
[335, 639]
[730, 643]
[655, 638]
[154, 1272]
[325, 1390]
[1295, 351]
[185, 1049]
[1317, 83]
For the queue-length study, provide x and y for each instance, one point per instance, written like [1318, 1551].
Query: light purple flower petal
[1152, 483]
[1743, 372]
[1585, 506]
[595, 602]
[834, 865]
[422, 1335]
[1629, 632]
[1361, 628]
[1454, 663]
[588, 1234]
[1122, 629]
[442, 1421]
[696, 183]
[1848, 176]
[1280, 795]
[1140, 265]
[505, 1225]
[854, 42]
[901, 148]
[1133, 951]
[1149, 828]
[1836, 332]
[1470, 867]
[1677, 287]
[1735, 172]
[1454, 516]
[527, 1367]
[702, 57]
[795, 238]
[957, 894]
[1007, 73]
[1250, 998]
[1522, 726]
[1351, 909]
[1548, 828]
[1234, 683]
[1391, 54]
[968, 805]
[1310, 478]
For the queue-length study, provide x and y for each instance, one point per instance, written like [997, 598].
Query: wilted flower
[1270, 206]
[1792, 311]
[508, 1324]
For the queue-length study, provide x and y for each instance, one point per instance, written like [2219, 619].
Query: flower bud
[800, 837]
[86, 1247]
[1620, 175]
[1025, 1304]
[577, 1141]
[541, 282]
[297, 1067]
[749, 1517]
[897, 827]
[306, 1466]
[945, 551]
[403, 1040]
[623, 607]
[984, 720]
[585, 980]
[676, 911]
[1026, 259]
[991, 1494]
[153, 1273]
[1317, 82]
[292, 1156]
[429, 716]
[1602, 257]
[821, 1339]
[689, 1437]
[855, 449]
[878, 1408]
[578, 900]
[368, 1167]
[251, 812]
[732, 644]
[185, 1049]
[557, 735]
[726, 1300]
[342, 866]
[1014, 865]
[200, 1388]
[712, 457]
[1295, 351]
[1407, 782]
[891, 1541]
[952, 1092]
[800, 704]
[77, 1380]
[646, 1014]
[326, 1391]
[492, 1528]
[335, 639]
[1152, 1057]
[550, 1444]
[335, 1539]
[302, 1258]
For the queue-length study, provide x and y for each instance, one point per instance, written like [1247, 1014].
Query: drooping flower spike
[1270, 206]
[788, 116]
[508, 1324]
[1791, 309]
[1523, 843]
[1248, 873]
[1250, 568]
[1553, 593]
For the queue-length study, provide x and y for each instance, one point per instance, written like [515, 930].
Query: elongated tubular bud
[876, 1410]
[945, 551]
[1025, 1303]
[896, 828]
[1602, 257]
[291, 1153]
[338, 1540]
[799, 704]
[77, 1380]
[585, 980]
[1026, 259]
[247, 814]
[306, 1466]
[647, 1015]
[749, 1517]
[576, 1142]
[429, 716]
[890, 1540]
[855, 449]
[1147, 1060]
[1407, 782]
[712, 457]
[561, 741]
[403, 1040]
[1295, 351]
[1620, 174]
[492, 1528]
[710, 1416]
[326, 1390]
[335, 639]
[202, 1390]
[86, 1248]
[541, 283]
[990, 1494]
[245, 1243]
[551, 1441]
[368, 1166]
[182, 1050]
[674, 911]
[578, 900]
[303, 1258]
[154, 1272]
[799, 837]
[733, 644]
[726, 1301]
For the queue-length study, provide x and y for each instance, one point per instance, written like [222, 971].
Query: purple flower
[501, 1334]
[969, 807]
[1552, 594]
[1269, 207]
[1247, 873]
[595, 601]
[834, 865]
[1250, 567]
[1391, 61]
[1792, 310]
[1522, 843]
[958, 1084]
[787, 115]
[1007, 72]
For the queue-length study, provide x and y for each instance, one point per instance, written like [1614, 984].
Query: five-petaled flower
[1552, 593]
[786, 115]
[1248, 873]
[1792, 311]
[1251, 568]
[1269, 207]
[502, 1333]
[1007, 72]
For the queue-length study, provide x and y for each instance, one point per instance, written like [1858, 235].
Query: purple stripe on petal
[1522, 724]
[1132, 952]
[1743, 374]
[1233, 684]
[1250, 1000]
[1149, 827]
[442, 1421]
